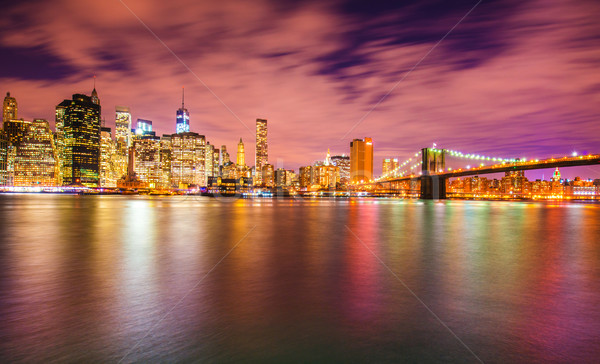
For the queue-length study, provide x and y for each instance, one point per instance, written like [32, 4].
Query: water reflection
[85, 278]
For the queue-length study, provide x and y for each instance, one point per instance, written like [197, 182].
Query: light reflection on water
[86, 278]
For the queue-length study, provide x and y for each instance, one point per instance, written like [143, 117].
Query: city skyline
[520, 92]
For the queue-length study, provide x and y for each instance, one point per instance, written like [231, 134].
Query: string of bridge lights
[406, 168]
[399, 171]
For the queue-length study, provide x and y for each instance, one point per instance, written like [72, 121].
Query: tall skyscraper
[109, 171]
[122, 129]
[262, 150]
[9, 108]
[182, 124]
[361, 160]
[78, 129]
[241, 154]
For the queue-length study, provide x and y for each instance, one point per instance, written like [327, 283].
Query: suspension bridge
[427, 173]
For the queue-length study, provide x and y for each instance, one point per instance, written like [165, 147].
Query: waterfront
[189, 278]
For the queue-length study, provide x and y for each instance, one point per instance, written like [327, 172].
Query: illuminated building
[241, 155]
[268, 175]
[361, 160]
[109, 169]
[182, 124]
[147, 160]
[78, 129]
[16, 130]
[225, 159]
[187, 160]
[35, 158]
[262, 148]
[5, 179]
[216, 155]
[291, 178]
[514, 182]
[143, 127]
[389, 167]
[122, 129]
[9, 108]
[166, 151]
[556, 175]
[328, 176]
[209, 150]
[280, 177]
[306, 176]
[343, 163]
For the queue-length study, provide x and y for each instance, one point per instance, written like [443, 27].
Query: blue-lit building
[183, 119]
[143, 126]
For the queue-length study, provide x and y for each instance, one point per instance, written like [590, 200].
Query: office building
[122, 129]
[188, 160]
[143, 127]
[343, 163]
[361, 160]
[9, 108]
[262, 149]
[109, 169]
[78, 132]
[147, 160]
[36, 158]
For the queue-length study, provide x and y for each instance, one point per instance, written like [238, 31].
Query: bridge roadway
[434, 184]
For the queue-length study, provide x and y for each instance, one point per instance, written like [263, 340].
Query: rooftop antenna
[94, 82]
[182, 96]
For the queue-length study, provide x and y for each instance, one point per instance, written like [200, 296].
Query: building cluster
[515, 183]
[82, 151]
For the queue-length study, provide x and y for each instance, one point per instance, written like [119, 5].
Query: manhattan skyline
[509, 80]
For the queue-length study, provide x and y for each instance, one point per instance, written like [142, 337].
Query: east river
[199, 279]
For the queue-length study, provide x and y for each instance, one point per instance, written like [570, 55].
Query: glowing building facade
[147, 161]
[182, 124]
[188, 160]
[262, 149]
[110, 170]
[241, 154]
[122, 129]
[361, 160]
[9, 108]
[35, 158]
[78, 129]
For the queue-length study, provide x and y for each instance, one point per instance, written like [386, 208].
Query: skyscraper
[241, 155]
[361, 160]
[78, 129]
[122, 129]
[109, 171]
[9, 108]
[182, 124]
[262, 152]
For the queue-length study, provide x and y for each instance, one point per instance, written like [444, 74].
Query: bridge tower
[433, 186]
[434, 160]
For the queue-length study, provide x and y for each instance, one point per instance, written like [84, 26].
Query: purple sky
[514, 79]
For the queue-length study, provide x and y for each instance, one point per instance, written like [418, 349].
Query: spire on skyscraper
[182, 97]
[95, 98]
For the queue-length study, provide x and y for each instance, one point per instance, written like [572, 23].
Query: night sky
[513, 79]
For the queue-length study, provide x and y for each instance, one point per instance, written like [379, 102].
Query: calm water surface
[149, 279]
